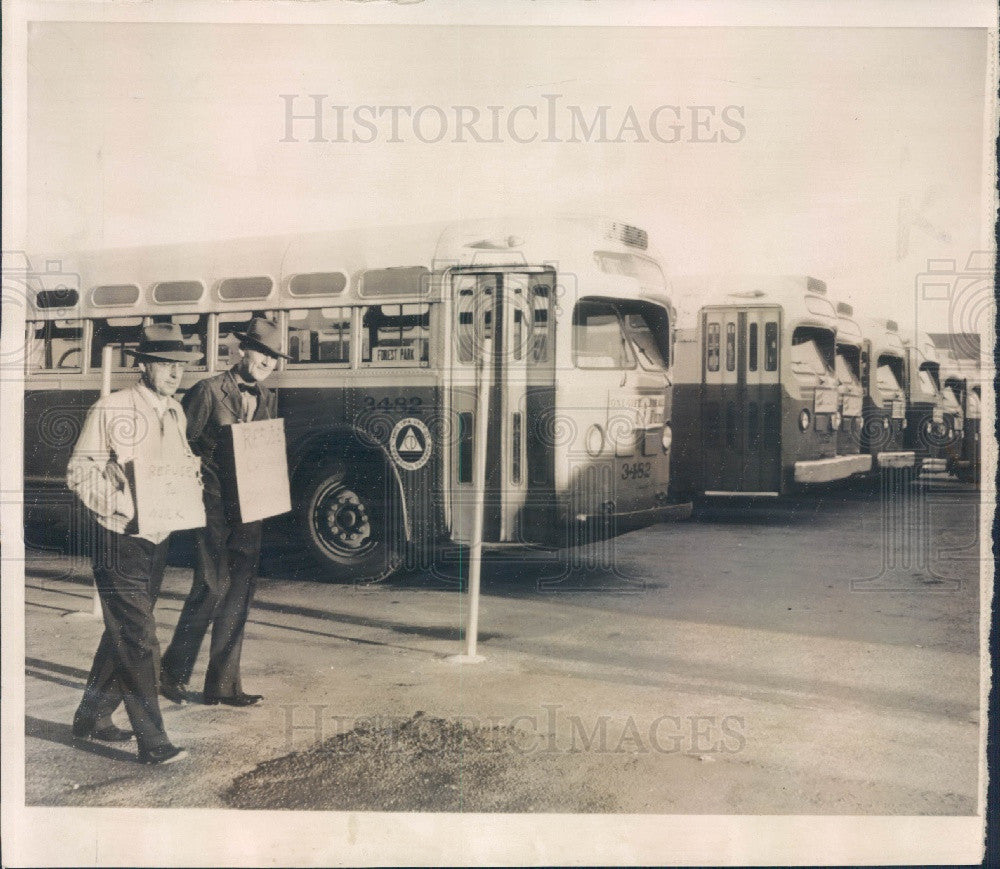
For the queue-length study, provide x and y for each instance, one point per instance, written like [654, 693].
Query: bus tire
[346, 517]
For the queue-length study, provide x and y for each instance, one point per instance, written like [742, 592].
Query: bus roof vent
[844, 310]
[115, 294]
[396, 281]
[891, 326]
[815, 285]
[628, 235]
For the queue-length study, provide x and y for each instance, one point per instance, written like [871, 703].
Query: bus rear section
[757, 404]
[883, 375]
[850, 390]
[927, 429]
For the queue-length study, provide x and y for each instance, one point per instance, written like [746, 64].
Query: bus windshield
[847, 367]
[812, 350]
[927, 381]
[887, 380]
[648, 328]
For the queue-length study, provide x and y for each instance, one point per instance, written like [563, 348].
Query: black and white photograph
[445, 433]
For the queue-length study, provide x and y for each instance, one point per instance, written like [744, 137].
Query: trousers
[225, 577]
[128, 572]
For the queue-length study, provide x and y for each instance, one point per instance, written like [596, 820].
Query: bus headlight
[804, 418]
[668, 437]
[594, 441]
[836, 419]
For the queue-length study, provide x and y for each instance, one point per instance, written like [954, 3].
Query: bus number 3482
[636, 470]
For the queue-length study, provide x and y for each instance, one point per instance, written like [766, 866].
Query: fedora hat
[164, 342]
[262, 335]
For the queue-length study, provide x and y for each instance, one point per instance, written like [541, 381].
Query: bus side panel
[686, 470]
[918, 415]
[819, 441]
[375, 410]
[53, 419]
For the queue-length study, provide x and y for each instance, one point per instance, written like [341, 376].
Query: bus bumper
[625, 520]
[903, 459]
[829, 470]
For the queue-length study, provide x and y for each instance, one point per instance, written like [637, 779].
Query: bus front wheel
[346, 517]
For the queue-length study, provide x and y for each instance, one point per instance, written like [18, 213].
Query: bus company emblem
[410, 443]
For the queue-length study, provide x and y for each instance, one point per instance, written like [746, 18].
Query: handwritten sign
[168, 494]
[259, 469]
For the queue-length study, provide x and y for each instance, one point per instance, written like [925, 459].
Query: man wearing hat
[226, 551]
[141, 422]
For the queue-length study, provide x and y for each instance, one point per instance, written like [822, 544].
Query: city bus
[851, 392]
[929, 430]
[883, 375]
[959, 380]
[389, 333]
[755, 393]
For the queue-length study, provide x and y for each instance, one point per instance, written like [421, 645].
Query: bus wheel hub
[347, 520]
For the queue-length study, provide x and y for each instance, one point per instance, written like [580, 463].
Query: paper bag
[256, 465]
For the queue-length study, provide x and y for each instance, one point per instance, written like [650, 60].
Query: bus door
[510, 308]
[741, 400]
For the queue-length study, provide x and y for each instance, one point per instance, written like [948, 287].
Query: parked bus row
[608, 408]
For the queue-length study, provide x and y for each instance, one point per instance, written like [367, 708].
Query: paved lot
[764, 659]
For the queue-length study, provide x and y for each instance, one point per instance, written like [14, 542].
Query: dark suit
[226, 551]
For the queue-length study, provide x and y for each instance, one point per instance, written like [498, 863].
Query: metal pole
[479, 486]
[107, 356]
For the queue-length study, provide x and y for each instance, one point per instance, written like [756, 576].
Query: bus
[389, 332]
[756, 405]
[929, 430]
[883, 375]
[851, 392]
[959, 380]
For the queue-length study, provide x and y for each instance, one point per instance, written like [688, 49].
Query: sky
[857, 153]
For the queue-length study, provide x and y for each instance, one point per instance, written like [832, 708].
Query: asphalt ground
[815, 655]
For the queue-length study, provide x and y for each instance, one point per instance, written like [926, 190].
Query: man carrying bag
[227, 549]
[124, 433]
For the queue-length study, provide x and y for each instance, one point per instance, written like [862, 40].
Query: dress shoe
[84, 728]
[235, 700]
[162, 754]
[175, 691]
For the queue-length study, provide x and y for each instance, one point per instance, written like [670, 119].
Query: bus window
[752, 349]
[56, 345]
[123, 333]
[319, 336]
[396, 336]
[927, 383]
[540, 295]
[230, 322]
[649, 329]
[812, 351]
[846, 366]
[730, 346]
[888, 377]
[712, 347]
[770, 346]
[598, 341]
